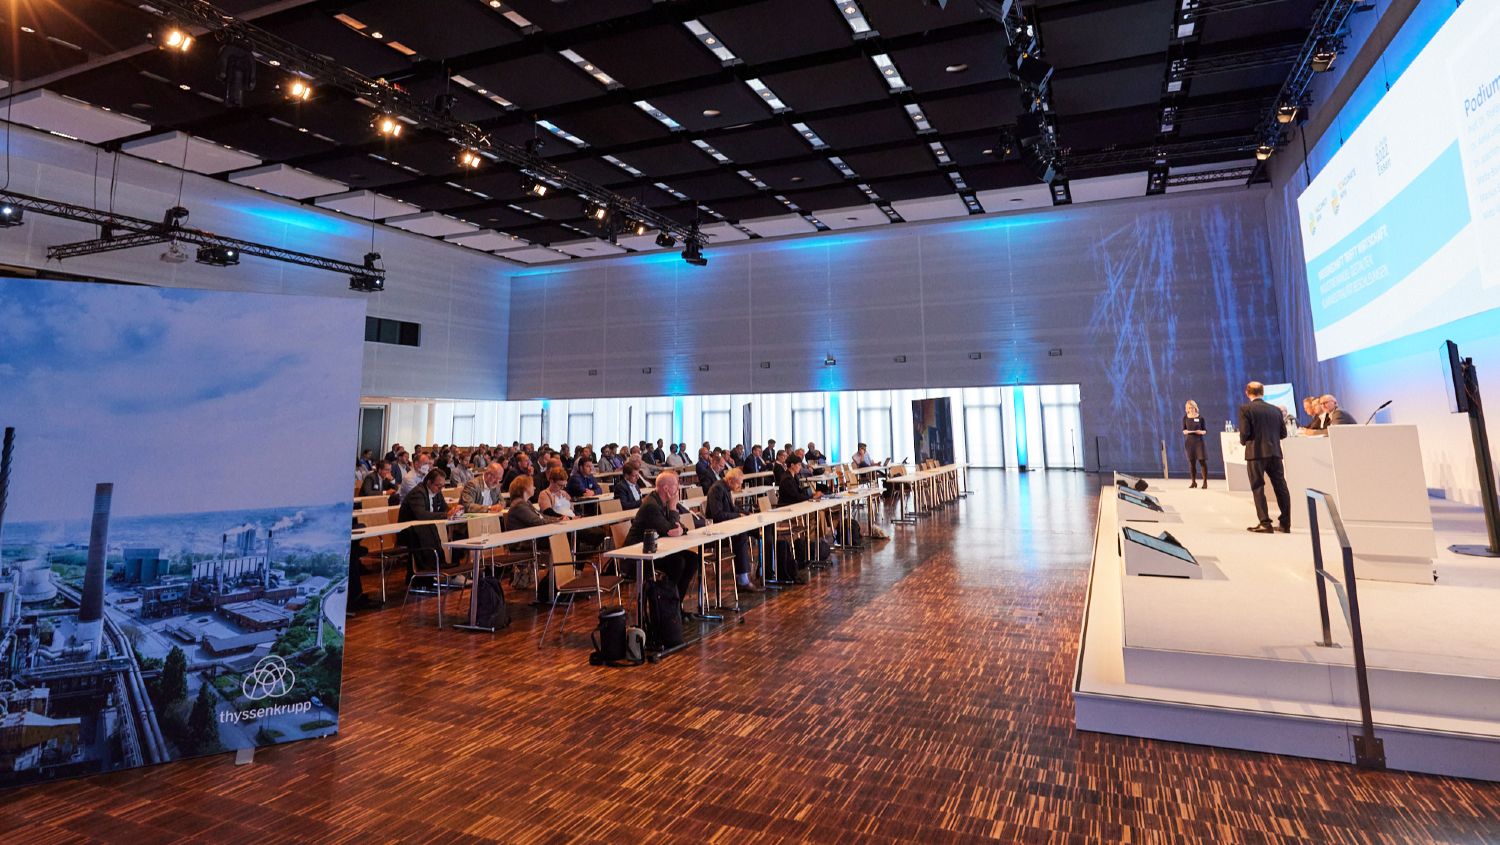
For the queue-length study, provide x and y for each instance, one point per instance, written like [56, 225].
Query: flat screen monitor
[1453, 378]
[1139, 499]
[1159, 544]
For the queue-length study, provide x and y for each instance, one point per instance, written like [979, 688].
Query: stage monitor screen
[1158, 544]
[1453, 378]
[1401, 227]
[1139, 499]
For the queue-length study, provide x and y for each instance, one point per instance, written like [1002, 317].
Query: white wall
[459, 296]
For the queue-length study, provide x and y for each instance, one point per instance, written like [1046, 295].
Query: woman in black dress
[1193, 432]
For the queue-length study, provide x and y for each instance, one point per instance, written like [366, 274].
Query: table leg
[473, 625]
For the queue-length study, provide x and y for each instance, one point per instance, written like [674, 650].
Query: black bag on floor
[493, 612]
[609, 638]
[851, 534]
[663, 615]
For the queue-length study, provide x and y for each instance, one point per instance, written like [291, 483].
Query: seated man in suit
[1262, 428]
[627, 488]
[705, 467]
[753, 461]
[483, 494]
[379, 481]
[520, 465]
[1334, 415]
[582, 484]
[425, 502]
[813, 456]
[1313, 407]
[660, 512]
[722, 507]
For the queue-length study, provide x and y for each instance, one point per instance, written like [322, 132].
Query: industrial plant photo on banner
[174, 508]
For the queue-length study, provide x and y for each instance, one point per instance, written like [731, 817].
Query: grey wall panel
[1151, 301]
[459, 296]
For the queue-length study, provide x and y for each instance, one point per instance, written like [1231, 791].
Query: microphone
[1378, 410]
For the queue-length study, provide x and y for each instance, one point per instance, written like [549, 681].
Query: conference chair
[571, 577]
[428, 563]
[609, 506]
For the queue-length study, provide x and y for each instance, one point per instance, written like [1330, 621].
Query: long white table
[930, 488]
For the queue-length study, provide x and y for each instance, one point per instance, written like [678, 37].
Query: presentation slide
[1401, 229]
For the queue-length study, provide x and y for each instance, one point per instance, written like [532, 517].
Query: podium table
[1374, 473]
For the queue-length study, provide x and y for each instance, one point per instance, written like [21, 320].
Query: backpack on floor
[492, 610]
[663, 615]
[609, 637]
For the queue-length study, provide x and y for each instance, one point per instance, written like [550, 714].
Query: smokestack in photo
[5, 455]
[91, 610]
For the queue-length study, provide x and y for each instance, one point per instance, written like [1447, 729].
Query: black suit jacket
[1341, 417]
[652, 516]
[374, 485]
[753, 463]
[1262, 428]
[789, 491]
[706, 475]
[628, 498]
[419, 506]
[720, 505]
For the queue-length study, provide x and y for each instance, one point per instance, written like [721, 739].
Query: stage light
[1006, 146]
[176, 38]
[218, 256]
[469, 159]
[387, 126]
[1264, 152]
[534, 187]
[1286, 113]
[641, 228]
[1323, 57]
[10, 216]
[298, 89]
[1061, 193]
[370, 282]
[1027, 68]
[665, 241]
[692, 252]
[1156, 179]
[595, 211]
[173, 254]
[237, 72]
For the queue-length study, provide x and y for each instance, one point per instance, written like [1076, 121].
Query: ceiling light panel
[671, 190]
[707, 148]
[666, 119]
[810, 136]
[888, 72]
[591, 69]
[852, 15]
[940, 152]
[752, 179]
[562, 133]
[711, 41]
[844, 168]
[623, 166]
[767, 96]
[918, 118]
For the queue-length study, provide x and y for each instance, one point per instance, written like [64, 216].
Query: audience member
[722, 507]
[627, 487]
[379, 482]
[582, 484]
[484, 494]
[659, 512]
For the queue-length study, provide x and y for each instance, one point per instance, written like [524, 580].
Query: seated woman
[555, 501]
[627, 487]
[524, 514]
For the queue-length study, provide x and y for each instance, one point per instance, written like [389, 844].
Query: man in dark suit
[754, 462]
[425, 502]
[379, 481]
[1334, 415]
[722, 507]
[705, 468]
[1262, 428]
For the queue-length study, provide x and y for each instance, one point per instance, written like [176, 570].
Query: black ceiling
[1108, 91]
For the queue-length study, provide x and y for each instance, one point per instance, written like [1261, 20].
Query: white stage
[1231, 659]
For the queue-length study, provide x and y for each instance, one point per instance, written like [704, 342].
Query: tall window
[1062, 426]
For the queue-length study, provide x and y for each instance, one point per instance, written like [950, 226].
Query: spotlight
[387, 126]
[218, 256]
[640, 228]
[10, 216]
[665, 241]
[370, 282]
[1061, 193]
[298, 89]
[1264, 152]
[534, 187]
[176, 38]
[692, 252]
[1286, 113]
[1326, 53]
[1156, 179]
[1027, 68]
[174, 217]
[830, 361]
[1006, 146]
[595, 211]
[469, 159]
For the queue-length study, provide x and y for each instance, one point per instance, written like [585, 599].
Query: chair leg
[548, 625]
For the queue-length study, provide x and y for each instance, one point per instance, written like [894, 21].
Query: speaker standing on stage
[1193, 432]
[1262, 428]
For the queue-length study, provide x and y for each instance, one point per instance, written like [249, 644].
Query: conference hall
[740, 421]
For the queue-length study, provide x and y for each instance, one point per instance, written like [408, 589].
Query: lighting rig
[1035, 133]
[394, 106]
[120, 231]
[1319, 51]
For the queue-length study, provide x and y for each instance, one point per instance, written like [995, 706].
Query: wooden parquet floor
[916, 692]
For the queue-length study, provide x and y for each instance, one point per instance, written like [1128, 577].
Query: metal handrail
[1369, 750]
